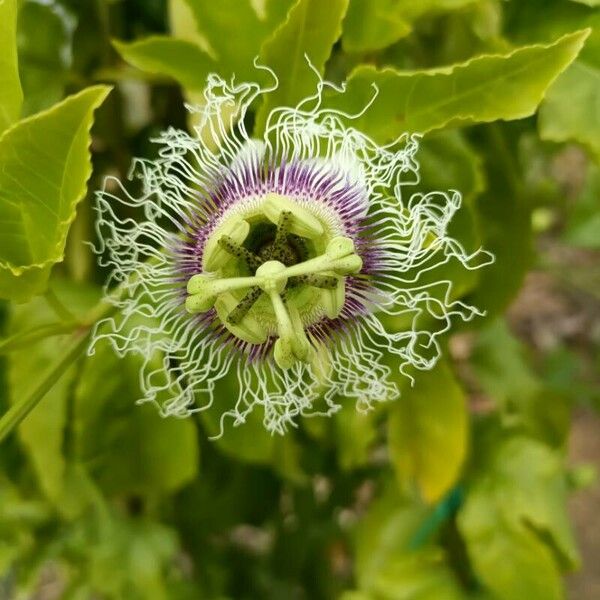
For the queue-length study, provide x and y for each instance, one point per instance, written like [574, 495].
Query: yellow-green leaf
[388, 567]
[311, 29]
[182, 60]
[375, 24]
[182, 23]
[588, 2]
[483, 89]
[515, 524]
[235, 30]
[11, 96]
[44, 168]
[571, 110]
[427, 432]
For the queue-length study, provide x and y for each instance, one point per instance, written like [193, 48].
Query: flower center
[272, 268]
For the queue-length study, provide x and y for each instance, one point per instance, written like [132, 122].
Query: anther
[292, 344]
[339, 247]
[280, 248]
[333, 300]
[347, 265]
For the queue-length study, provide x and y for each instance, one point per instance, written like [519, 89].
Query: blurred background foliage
[456, 491]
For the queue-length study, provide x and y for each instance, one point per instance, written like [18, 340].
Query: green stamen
[333, 299]
[292, 344]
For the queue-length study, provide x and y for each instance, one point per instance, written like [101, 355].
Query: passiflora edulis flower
[274, 261]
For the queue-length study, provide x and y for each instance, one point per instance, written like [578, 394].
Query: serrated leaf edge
[579, 37]
[63, 226]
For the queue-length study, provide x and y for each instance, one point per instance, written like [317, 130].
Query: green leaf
[384, 532]
[45, 53]
[311, 29]
[18, 519]
[107, 554]
[588, 2]
[182, 23]
[433, 6]
[42, 432]
[355, 434]
[583, 226]
[504, 215]
[44, 168]
[249, 441]
[483, 89]
[447, 162]
[427, 433]
[571, 109]
[523, 24]
[182, 60]
[375, 24]
[515, 525]
[235, 30]
[354, 595]
[132, 559]
[387, 567]
[499, 363]
[128, 448]
[11, 95]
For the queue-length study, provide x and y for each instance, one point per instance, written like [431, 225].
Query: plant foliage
[458, 489]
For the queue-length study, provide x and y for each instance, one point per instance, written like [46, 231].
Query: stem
[17, 412]
[41, 332]
[444, 510]
[76, 346]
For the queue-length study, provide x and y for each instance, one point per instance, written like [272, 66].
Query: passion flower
[275, 262]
